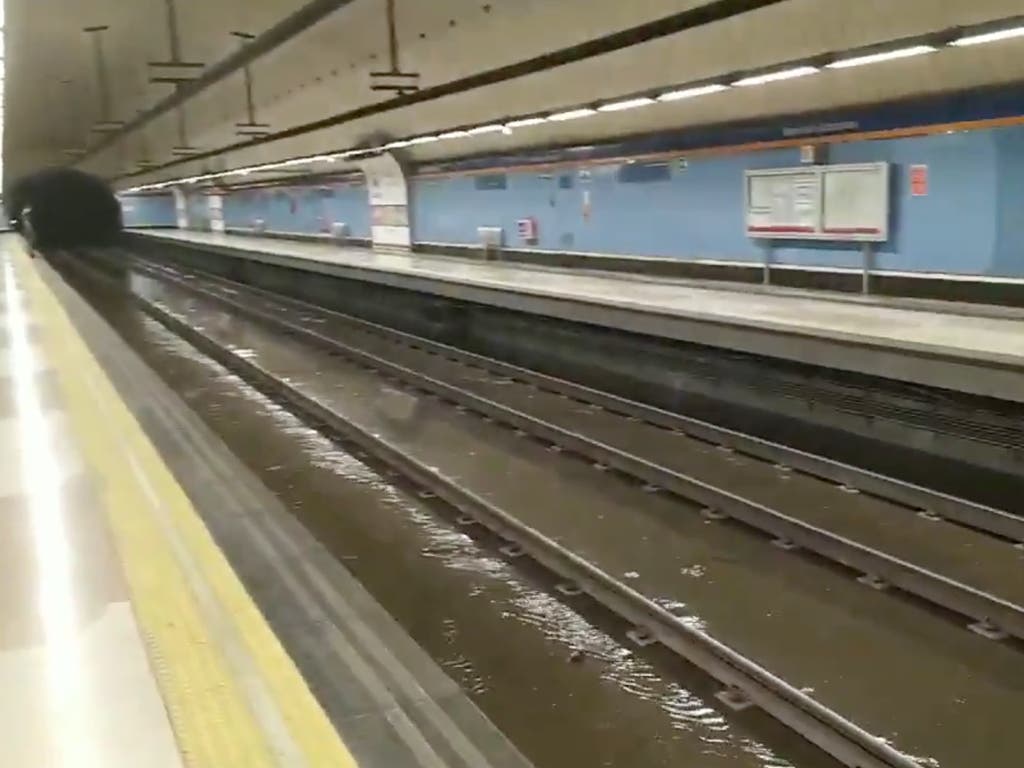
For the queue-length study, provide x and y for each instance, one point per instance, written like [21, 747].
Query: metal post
[250, 106]
[101, 71]
[70, 104]
[392, 36]
[182, 128]
[868, 265]
[766, 278]
[172, 32]
[144, 160]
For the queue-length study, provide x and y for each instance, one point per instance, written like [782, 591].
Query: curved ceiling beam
[709, 13]
[286, 29]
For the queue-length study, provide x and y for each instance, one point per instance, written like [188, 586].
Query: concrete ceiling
[53, 102]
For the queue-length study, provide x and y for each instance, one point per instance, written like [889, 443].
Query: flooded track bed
[889, 532]
[498, 628]
[898, 670]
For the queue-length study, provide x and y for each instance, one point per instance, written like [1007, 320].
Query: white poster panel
[389, 202]
[825, 202]
[215, 204]
[180, 208]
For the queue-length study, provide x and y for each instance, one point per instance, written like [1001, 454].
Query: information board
[823, 202]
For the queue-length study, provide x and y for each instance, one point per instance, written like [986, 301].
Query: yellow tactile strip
[213, 722]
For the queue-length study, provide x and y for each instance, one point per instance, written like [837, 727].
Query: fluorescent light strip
[572, 114]
[874, 58]
[990, 37]
[526, 122]
[690, 93]
[615, 106]
[773, 77]
[482, 129]
[621, 106]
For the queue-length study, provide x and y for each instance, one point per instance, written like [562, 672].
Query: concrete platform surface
[958, 347]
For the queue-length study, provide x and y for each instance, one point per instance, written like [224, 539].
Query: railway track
[733, 478]
[874, 525]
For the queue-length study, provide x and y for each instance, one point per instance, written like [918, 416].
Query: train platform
[161, 607]
[976, 349]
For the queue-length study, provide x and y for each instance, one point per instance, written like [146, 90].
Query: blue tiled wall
[304, 210]
[148, 210]
[972, 220]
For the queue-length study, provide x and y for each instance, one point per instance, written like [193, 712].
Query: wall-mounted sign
[527, 230]
[821, 202]
[919, 180]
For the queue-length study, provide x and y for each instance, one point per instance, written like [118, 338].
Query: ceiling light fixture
[990, 37]
[874, 58]
[572, 114]
[621, 106]
[690, 93]
[482, 129]
[773, 77]
[972, 35]
[526, 122]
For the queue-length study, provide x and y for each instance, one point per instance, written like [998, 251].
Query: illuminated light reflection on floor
[67, 687]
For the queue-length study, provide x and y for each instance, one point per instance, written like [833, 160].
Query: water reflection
[497, 582]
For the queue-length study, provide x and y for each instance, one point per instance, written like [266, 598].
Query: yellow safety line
[212, 721]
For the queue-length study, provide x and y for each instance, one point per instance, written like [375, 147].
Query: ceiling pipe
[286, 29]
[702, 15]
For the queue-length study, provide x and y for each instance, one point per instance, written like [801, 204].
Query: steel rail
[991, 612]
[916, 497]
[806, 716]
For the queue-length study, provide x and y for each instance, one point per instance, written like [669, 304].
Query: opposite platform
[955, 347]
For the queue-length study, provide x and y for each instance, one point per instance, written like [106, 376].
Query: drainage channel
[890, 532]
[883, 662]
[557, 675]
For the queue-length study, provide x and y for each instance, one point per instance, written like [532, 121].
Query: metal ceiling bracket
[175, 71]
[394, 79]
[251, 127]
[289, 27]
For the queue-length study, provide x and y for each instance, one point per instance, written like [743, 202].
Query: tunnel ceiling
[55, 103]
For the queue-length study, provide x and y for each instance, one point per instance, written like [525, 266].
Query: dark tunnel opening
[64, 208]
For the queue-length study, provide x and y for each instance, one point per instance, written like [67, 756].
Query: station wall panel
[969, 222]
[303, 210]
[148, 211]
